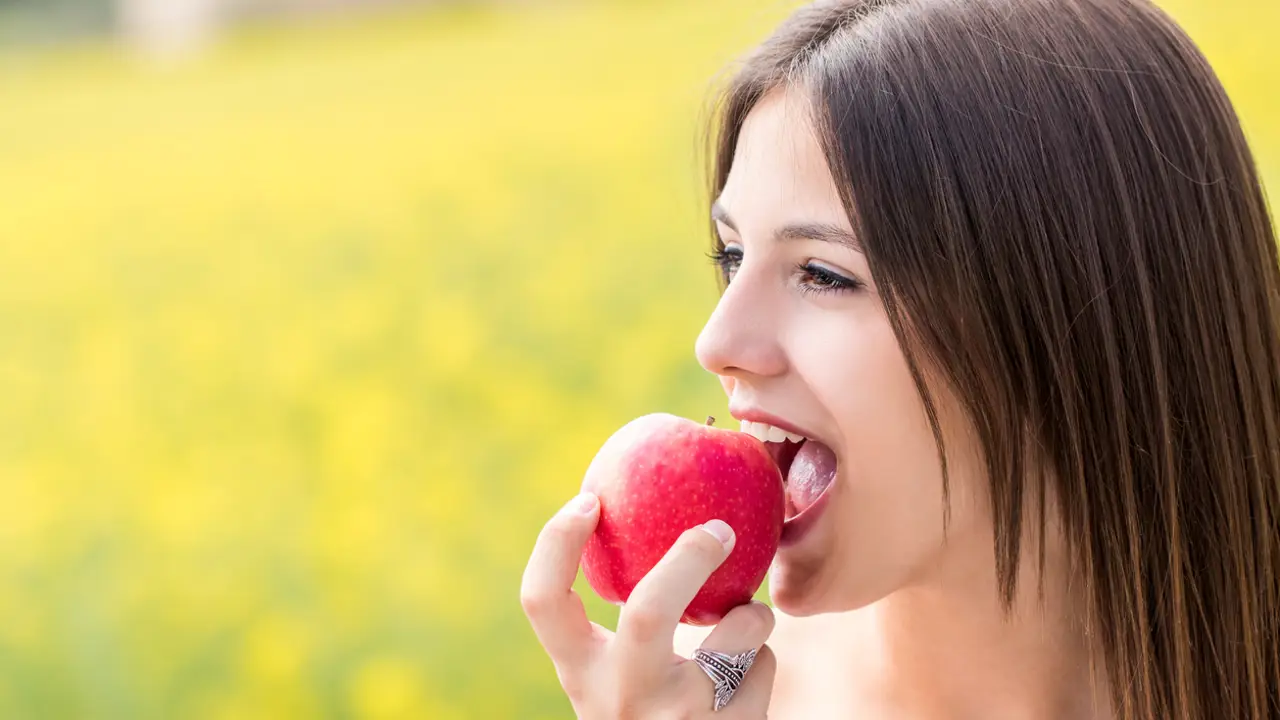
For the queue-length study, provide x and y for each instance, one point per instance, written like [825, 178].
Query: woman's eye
[818, 279]
[728, 259]
[813, 278]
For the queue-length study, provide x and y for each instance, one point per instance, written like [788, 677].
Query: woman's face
[801, 338]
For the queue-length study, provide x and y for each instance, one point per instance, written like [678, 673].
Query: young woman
[1007, 266]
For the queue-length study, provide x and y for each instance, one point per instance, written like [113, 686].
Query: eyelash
[822, 280]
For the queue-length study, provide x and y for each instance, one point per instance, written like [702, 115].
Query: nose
[741, 339]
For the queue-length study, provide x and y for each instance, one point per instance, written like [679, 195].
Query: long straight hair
[1063, 217]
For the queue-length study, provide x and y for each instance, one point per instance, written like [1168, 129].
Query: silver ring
[726, 671]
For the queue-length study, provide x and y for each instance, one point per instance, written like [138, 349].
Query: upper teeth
[765, 432]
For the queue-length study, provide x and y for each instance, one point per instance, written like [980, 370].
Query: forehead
[779, 173]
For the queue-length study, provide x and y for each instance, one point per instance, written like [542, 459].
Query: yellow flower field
[303, 339]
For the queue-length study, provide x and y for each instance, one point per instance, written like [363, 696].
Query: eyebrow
[824, 232]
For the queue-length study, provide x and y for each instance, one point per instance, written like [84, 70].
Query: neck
[949, 652]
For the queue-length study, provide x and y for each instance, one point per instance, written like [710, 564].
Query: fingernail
[584, 504]
[721, 531]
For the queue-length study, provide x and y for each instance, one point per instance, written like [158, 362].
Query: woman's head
[800, 335]
[1010, 260]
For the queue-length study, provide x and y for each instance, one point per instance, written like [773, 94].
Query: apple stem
[711, 420]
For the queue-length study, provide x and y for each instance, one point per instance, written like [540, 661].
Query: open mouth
[807, 465]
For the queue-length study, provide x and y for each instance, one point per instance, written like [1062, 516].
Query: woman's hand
[634, 673]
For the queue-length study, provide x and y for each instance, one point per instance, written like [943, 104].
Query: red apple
[660, 475]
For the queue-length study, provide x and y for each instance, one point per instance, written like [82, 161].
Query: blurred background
[313, 311]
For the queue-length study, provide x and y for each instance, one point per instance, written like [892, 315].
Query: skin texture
[660, 475]
[870, 597]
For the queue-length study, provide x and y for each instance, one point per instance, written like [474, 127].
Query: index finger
[649, 618]
[546, 592]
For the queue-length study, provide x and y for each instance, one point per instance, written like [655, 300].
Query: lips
[808, 466]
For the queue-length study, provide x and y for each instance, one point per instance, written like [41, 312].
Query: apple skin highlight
[660, 475]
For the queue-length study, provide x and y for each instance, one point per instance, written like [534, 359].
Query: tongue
[810, 475]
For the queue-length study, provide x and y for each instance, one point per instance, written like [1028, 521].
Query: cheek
[890, 502]
[867, 389]
[892, 456]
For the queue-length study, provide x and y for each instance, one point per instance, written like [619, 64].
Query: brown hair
[1062, 215]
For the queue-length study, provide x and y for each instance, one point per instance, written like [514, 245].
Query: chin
[811, 604]
[792, 606]
[797, 611]
[801, 591]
